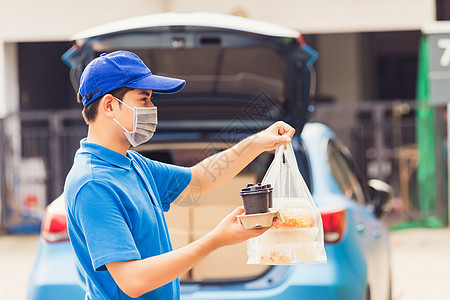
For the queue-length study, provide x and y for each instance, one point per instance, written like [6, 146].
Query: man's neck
[107, 140]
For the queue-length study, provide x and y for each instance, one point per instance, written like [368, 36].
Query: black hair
[91, 110]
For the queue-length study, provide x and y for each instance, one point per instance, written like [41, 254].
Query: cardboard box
[180, 238]
[225, 262]
[178, 217]
[217, 204]
[188, 224]
[208, 217]
[228, 193]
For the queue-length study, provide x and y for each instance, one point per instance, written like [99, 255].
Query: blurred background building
[366, 86]
[368, 50]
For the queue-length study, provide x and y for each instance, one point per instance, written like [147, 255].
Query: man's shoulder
[79, 175]
[137, 156]
[86, 168]
[145, 161]
[88, 165]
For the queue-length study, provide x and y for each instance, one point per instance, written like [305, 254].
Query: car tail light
[301, 40]
[333, 225]
[54, 225]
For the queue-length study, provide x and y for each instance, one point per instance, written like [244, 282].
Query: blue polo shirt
[115, 207]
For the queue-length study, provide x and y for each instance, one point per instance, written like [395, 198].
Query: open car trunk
[238, 71]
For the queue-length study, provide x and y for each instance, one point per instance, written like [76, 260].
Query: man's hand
[275, 135]
[230, 231]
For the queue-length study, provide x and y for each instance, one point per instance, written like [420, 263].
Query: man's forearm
[221, 167]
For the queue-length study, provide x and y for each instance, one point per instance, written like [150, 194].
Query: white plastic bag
[299, 238]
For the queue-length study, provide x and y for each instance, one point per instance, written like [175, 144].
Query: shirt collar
[105, 154]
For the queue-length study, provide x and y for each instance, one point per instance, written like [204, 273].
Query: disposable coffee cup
[257, 198]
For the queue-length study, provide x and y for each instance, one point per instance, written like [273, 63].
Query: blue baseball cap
[122, 69]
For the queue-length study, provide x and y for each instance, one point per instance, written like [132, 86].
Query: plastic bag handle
[291, 160]
[275, 165]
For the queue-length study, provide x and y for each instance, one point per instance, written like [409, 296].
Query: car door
[371, 233]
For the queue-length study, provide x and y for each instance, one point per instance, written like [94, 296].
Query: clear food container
[296, 218]
[274, 255]
[289, 253]
[307, 252]
[288, 236]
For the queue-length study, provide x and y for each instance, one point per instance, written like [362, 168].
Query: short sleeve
[105, 224]
[171, 180]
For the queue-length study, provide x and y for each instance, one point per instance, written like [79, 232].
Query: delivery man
[115, 197]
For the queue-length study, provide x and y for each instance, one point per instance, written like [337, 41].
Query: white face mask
[145, 120]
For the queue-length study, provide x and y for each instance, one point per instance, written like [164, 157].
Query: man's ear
[107, 105]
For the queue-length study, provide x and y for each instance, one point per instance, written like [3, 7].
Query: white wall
[57, 20]
[339, 75]
[326, 16]
[2, 80]
[53, 20]
[9, 79]
[339, 66]
[9, 98]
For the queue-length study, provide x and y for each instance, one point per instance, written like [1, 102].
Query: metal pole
[2, 177]
[55, 155]
[379, 139]
[448, 162]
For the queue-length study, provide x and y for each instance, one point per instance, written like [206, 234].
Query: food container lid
[254, 188]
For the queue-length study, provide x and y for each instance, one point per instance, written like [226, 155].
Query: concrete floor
[420, 264]
[17, 255]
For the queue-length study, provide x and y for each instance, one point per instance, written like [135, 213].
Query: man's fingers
[289, 131]
[283, 139]
[287, 138]
[238, 211]
[285, 129]
[258, 231]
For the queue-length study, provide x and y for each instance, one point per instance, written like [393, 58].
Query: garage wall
[325, 16]
[9, 78]
[57, 20]
[339, 70]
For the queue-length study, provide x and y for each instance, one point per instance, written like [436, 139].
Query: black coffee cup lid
[258, 187]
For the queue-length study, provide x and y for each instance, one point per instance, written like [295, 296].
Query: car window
[232, 71]
[237, 72]
[343, 169]
[235, 79]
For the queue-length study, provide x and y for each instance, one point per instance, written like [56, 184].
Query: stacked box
[189, 224]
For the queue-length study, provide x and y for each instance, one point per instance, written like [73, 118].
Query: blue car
[242, 76]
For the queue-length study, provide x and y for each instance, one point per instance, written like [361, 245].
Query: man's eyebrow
[144, 93]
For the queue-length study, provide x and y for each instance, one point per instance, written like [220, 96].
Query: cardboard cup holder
[259, 220]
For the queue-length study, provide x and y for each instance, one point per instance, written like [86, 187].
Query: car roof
[199, 19]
